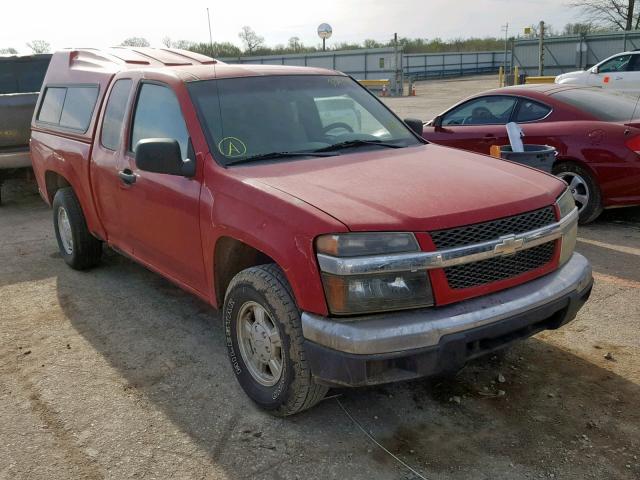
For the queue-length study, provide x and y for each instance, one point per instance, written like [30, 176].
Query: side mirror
[437, 122]
[162, 155]
[594, 70]
[415, 125]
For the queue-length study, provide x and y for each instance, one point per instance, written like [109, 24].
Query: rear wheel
[584, 188]
[265, 343]
[79, 249]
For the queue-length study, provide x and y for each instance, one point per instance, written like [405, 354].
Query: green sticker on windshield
[232, 147]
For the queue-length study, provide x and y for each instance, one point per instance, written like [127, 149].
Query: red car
[596, 133]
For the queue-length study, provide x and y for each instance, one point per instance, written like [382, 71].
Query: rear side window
[52, 105]
[530, 111]
[604, 105]
[114, 114]
[68, 107]
[158, 115]
[78, 107]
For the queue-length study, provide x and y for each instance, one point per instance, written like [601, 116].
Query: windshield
[255, 116]
[604, 105]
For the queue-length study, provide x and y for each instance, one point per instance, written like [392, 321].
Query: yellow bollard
[500, 77]
[516, 75]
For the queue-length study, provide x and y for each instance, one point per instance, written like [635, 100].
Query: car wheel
[584, 188]
[79, 249]
[265, 343]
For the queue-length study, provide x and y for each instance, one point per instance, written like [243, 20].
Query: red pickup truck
[342, 248]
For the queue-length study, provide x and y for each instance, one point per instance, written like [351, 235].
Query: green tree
[370, 43]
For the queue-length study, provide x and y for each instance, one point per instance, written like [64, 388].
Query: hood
[420, 188]
[570, 75]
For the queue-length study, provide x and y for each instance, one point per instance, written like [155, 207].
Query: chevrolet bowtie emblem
[508, 245]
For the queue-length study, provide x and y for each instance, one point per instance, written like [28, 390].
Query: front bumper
[402, 345]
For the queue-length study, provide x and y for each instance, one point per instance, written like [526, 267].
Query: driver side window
[158, 115]
[492, 110]
[617, 64]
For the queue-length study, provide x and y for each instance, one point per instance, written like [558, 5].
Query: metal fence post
[541, 51]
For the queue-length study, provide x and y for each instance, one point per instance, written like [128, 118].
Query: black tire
[588, 185]
[86, 250]
[295, 390]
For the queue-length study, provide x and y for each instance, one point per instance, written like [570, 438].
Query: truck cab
[340, 247]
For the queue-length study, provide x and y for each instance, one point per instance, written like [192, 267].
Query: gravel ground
[115, 373]
[434, 97]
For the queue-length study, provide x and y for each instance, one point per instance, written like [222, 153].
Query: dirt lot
[115, 373]
[434, 97]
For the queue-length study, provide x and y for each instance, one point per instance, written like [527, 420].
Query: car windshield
[251, 117]
[604, 105]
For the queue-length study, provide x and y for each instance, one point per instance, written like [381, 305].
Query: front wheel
[79, 249]
[584, 188]
[265, 343]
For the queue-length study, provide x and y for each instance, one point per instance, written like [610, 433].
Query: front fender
[273, 222]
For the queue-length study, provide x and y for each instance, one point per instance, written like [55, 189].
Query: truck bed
[15, 119]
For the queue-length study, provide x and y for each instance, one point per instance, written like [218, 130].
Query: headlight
[566, 205]
[374, 291]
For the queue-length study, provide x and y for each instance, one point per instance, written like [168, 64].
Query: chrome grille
[499, 268]
[481, 232]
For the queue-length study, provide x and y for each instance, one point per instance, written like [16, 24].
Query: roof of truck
[187, 65]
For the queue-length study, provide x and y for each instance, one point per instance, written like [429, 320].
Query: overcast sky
[98, 24]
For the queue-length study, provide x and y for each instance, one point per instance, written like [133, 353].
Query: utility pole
[210, 36]
[505, 28]
[541, 51]
[395, 51]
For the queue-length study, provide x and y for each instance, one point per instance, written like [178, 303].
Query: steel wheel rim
[578, 187]
[64, 229]
[260, 344]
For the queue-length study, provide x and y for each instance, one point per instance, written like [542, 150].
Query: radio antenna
[215, 73]
[210, 35]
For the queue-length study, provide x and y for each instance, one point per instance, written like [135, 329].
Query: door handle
[127, 176]
[489, 138]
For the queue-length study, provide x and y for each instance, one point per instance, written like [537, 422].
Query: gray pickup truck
[20, 81]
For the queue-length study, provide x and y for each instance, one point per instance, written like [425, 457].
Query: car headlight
[567, 205]
[373, 291]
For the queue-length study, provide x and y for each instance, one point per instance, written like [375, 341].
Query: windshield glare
[248, 116]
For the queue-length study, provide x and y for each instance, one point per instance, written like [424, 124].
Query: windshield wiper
[357, 143]
[272, 155]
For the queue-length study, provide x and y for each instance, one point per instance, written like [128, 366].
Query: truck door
[629, 81]
[161, 211]
[106, 159]
[611, 73]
